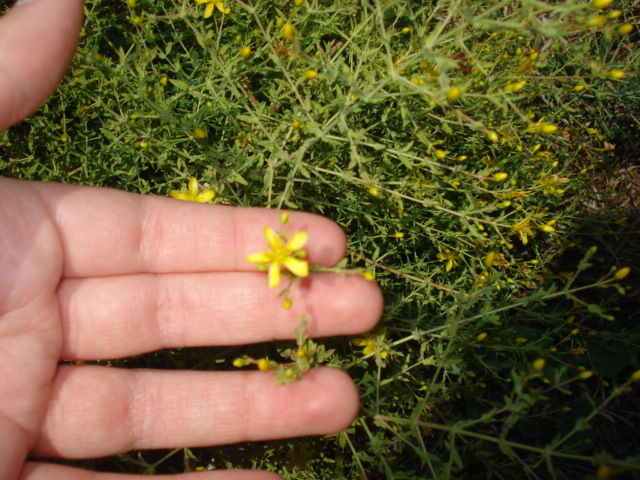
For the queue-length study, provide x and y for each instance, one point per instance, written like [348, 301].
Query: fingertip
[37, 44]
[337, 305]
[327, 243]
[333, 400]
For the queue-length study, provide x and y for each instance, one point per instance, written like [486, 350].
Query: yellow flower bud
[263, 365]
[547, 228]
[286, 304]
[199, 133]
[164, 80]
[613, 14]
[578, 88]
[301, 353]
[601, 3]
[245, 52]
[625, 29]
[493, 136]
[488, 260]
[604, 473]
[288, 31]
[481, 337]
[616, 74]
[239, 363]
[440, 154]
[453, 94]
[368, 275]
[519, 85]
[539, 364]
[310, 74]
[596, 21]
[373, 191]
[635, 376]
[296, 124]
[298, 3]
[131, 3]
[500, 176]
[585, 375]
[137, 20]
[622, 273]
[279, 22]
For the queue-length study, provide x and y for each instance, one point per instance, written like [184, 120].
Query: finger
[160, 311]
[99, 411]
[36, 46]
[109, 232]
[47, 471]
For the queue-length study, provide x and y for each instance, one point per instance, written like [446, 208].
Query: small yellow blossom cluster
[372, 343]
[287, 255]
[525, 230]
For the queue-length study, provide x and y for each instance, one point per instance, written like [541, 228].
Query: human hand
[96, 274]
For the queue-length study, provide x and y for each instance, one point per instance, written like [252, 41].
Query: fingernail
[21, 2]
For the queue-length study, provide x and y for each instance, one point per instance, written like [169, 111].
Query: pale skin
[90, 273]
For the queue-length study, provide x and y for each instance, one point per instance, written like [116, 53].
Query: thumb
[37, 42]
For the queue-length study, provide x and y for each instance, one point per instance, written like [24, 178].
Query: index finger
[107, 232]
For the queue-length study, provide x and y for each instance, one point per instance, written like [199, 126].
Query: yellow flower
[192, 195]
[371, 343]
[450, 257]
[282, 255]
[211, 4]
[524, 229]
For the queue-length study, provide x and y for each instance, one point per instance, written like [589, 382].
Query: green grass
[415, 108]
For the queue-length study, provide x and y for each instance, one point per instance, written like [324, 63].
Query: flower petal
[206, 196]
[272, 239]
[297, 241]
[178, 195]
[300, 268]
[202, 1]
[260, 257]
[274, 275]
[209, 10]
[193, 186]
